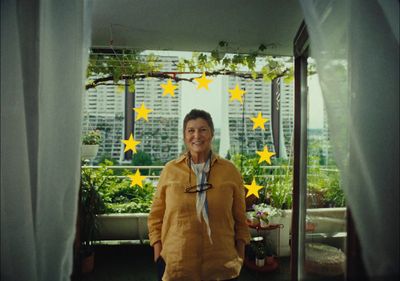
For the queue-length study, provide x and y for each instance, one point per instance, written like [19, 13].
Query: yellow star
[142, 112]
[130, 144]
[259, 121]
[203, 81]
[253, 189]
[137, 179]
[168, 88]
[265, 155]
[236, 94]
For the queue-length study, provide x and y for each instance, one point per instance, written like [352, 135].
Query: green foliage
[259, 249]
[115, 193]
[131, 65]
[323, 185]
[142, 158]
[324, 188]
[91, 137]
[280, 188]
[125, 63]
[123, 198]
[91, 204]
[221, 62]
[262, 249]
[277, 182]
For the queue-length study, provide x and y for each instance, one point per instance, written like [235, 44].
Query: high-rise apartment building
[160, 135]
[104, 109]
[242, 137]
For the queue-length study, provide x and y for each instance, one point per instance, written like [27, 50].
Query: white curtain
[356, 48]
[44, 48]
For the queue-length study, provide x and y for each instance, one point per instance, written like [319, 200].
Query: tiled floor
[134, 263]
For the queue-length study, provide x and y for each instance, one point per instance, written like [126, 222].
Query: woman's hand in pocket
[157, 247]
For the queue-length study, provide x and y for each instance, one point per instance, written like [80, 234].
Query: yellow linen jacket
[186, 248]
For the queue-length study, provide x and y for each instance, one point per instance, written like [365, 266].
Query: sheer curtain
[44, 47]
[356, 48]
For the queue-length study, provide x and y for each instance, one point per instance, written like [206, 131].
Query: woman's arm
[239, 212]
[157, 247]
[240, 248]
[155, 219]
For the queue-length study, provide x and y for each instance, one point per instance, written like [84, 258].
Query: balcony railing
[154, 176]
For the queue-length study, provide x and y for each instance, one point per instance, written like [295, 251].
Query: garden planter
[134, 226]
[123, 226]
[89, 151]
[284, 232]
[260, 262]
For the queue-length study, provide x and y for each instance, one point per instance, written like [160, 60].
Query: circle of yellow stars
[202, 82]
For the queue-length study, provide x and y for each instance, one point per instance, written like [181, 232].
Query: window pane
[325, 238]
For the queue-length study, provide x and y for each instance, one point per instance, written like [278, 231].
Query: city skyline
[211, 100]
[207, 99]
[106, 110]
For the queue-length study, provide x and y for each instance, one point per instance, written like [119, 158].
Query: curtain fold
[43, 60]
[356, 48]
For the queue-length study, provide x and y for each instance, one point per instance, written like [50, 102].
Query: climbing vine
[131, 65]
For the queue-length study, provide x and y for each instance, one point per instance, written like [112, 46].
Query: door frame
[355, 269]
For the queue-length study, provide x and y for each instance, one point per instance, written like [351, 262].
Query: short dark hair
[198, 113]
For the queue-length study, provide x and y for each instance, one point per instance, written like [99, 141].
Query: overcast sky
[208, 100]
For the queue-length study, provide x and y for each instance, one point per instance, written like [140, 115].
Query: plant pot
[269, 260]
[89, 151]
[260, 262]
[264, 224]
[87, 264]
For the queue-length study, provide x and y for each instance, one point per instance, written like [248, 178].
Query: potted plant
[269, 252]
[259, 250]
[252, 218]
[265, 213]
[90, 144]
[91, 204]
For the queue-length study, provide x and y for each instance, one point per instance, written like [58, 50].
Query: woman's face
[198, 136]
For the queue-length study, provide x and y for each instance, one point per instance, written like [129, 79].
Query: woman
[197, 223]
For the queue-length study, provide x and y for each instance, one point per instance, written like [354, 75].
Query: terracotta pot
[87, 265]
[269, 259]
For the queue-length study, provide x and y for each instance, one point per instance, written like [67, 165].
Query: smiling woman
[198, 134]
[198, 227]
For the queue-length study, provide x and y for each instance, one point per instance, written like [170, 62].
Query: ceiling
[196, 25]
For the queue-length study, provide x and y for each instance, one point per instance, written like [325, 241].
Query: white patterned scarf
[201, 171]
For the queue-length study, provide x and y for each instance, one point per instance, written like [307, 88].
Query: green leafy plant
[116, 192]
[259, 249]
[265, 212]
[334, 195]
[277, 182]
[91, 137]
[130, 65]
[123, 198]
[323, 187]
[91, 204]
[279, 189]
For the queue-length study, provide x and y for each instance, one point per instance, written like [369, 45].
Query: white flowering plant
[265, 212]
[91, 137]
